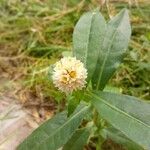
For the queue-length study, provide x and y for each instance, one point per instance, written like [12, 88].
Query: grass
[34, 33]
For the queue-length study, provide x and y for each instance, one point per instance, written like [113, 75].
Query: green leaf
[73, 100]
[120, 138]
[67, 54]
[126, 113]
[112, 49]
[87, 38]
[113, 89]
[72, 104]
[78, 140]
[55, 132]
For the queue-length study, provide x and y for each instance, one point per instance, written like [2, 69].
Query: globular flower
[69, 74]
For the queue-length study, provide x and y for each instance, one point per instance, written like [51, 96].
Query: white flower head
[69, 74]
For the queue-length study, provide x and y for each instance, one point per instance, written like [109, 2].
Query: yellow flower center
[72, 74]
[64, 80]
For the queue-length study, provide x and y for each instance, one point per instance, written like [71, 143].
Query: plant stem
[95, 118]
[97, 122]
[99, 143]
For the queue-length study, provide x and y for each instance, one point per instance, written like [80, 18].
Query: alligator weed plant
[94, 113]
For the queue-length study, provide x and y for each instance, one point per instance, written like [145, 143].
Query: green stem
[95, 118]
[99, 143]
[97, 122]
